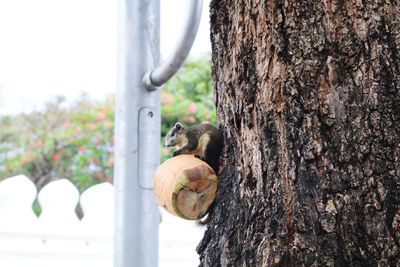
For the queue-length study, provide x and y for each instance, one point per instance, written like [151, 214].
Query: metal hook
[161, 74]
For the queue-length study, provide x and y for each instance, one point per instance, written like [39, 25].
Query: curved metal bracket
[161, 74]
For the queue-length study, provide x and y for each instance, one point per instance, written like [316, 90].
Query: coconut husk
[185, 186]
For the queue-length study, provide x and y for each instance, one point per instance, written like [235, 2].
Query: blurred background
[58, 66]
[57, 83]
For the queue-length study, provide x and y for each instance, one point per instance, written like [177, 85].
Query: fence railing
[59, 238]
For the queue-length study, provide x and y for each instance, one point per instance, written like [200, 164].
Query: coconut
[185, 186]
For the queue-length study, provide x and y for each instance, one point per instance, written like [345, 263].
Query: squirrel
[204, 141]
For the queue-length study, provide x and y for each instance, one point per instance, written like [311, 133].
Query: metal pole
[137, 135]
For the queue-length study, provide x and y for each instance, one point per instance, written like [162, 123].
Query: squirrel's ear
[179, 126]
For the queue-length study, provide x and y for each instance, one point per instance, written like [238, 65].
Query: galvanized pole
[137, 125]
[137, 136]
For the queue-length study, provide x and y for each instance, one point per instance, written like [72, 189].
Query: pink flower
[190, 119]
[78, 129]
[165, 150]
[99, 175]
[39, 143]
[166, 99]
[81, 149]
[100, 116]
[56, 157]
[192, 108]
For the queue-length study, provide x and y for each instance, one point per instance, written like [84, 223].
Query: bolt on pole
[137, 135]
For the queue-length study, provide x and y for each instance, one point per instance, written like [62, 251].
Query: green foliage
[76, 140]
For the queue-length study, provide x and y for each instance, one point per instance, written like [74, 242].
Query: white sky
[65, 47]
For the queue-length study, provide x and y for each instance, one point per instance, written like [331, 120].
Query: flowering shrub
[76, 141]
[73, 142]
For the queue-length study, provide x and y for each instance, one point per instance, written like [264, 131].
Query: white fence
[57, 238]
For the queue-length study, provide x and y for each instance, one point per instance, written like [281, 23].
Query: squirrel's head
[171, 139]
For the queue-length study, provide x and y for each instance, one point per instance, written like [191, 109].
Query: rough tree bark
[308, 98]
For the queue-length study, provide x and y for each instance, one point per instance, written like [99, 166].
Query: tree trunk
[308, 98]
